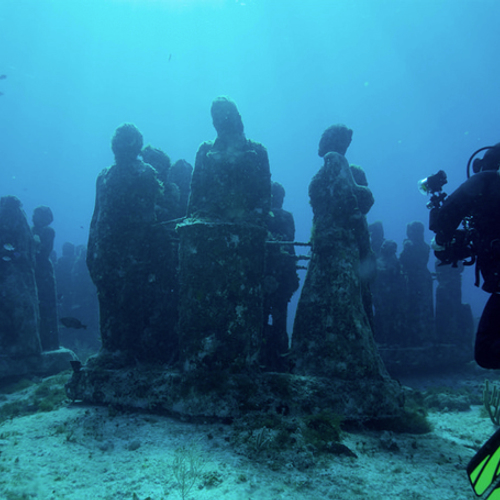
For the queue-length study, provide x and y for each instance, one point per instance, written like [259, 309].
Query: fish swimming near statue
[70, 322]
[8, 252]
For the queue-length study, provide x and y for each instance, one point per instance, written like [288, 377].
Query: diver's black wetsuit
[479, 197]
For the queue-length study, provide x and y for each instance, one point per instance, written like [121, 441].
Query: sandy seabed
[85, 452]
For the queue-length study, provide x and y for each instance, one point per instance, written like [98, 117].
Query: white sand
[78, 452]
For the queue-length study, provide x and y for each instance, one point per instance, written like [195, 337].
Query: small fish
[70, 322]
[9, 247]
[3, 77]
[6, 259]
[1, 93]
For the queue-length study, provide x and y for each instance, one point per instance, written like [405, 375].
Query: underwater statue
[19, 312]
[180, 174]
[332, 337]
[280, 283]
[168, 204]
[126, 258]
[376, 230]
[414, 259]
[21, 351]
[223, 370]
[337, 139]
[45, 278]
[62, 269]
[222, 249]
[389, 297]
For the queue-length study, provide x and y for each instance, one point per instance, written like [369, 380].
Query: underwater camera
[433, 185]
[460, 248]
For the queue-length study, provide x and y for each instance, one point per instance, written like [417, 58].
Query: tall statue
[125, 261]
[332, 337]
[222, 249]
[45, 278]
[414, 259]
[280, 283]
[19, 312]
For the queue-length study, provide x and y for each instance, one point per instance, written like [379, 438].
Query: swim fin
[484, 469]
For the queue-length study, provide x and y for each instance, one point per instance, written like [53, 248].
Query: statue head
[415, 231]
[225, 117]
[335, 139]
[10, 203]
[278, 195]
[158, 159]
[376, 230]
[126, 143]
[42, 216]
[388, 248]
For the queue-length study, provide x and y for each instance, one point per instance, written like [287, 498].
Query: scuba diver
[476, 201]
[476, 206]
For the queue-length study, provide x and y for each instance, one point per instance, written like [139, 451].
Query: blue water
[417, 81]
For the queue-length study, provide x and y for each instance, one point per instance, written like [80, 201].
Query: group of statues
[403, 294]
[29, 330]
[194, 270]
[407, 313]
[181, 264]
[205, 295]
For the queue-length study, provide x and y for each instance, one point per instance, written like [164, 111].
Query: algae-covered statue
[124, 257]
[45, 278]
[337, 139]
[389, 297]
[222, 248]
[222, 258]
[332, 331]
[21, 351]
[332, 336]
[414, 259]
[19, 313]
[168, 204]
[180, 174]
[280, 283]
[231, 179]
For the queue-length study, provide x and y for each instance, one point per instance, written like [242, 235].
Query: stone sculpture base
[47, 363]
[223, 396]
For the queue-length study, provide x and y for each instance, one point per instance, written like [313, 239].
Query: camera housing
[434, 183]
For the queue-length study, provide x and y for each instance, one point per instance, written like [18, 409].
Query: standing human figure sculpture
[389, 298]
[19, 312]
[123, 250]
[222, 249]
[180, 174]
[62, 269]
[376, 230]
[45, 278]
[332, 336]
[280, 283]
[414, 259]
[337, 139]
